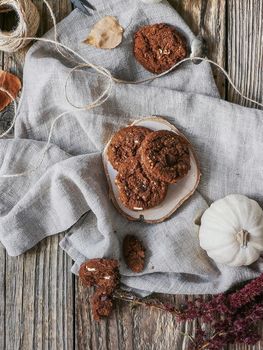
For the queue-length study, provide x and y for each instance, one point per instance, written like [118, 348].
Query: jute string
[26, 26]
[83, 63]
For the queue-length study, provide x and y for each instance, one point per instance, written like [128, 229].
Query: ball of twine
[28, 20]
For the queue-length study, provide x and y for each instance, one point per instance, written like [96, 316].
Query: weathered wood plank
[245, 49]
[245, 64]
[39, 303]
[208, 18]
[127, 328]
[37, 286]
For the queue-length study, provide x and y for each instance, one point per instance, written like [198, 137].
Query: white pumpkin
[231, 230]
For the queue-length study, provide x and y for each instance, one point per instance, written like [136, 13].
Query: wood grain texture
[245, 49]
[38, 295]
[43, 306]
[127, 328]
[208, 19]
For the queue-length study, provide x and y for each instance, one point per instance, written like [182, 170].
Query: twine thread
[27, 25]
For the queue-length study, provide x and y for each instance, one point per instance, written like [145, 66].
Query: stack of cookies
[147, 162]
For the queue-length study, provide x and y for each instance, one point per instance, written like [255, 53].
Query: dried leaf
[106, 34]
[10, 83]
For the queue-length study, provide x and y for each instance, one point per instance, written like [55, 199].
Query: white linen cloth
[70, 182]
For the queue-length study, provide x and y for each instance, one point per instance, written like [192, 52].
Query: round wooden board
[177, 193]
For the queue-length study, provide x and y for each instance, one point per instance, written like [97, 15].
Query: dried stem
[205, 346]
[153, 303]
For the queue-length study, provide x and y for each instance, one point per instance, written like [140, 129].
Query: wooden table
[42, 305]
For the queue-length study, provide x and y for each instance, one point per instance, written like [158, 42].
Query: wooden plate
[177, 193]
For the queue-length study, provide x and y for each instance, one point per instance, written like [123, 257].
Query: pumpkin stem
[243, 238]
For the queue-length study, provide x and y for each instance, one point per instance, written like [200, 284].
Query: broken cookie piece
[103, 273]
[134, 253]
[101, 304]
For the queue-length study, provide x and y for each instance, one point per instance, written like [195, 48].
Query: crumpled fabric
[69, 191]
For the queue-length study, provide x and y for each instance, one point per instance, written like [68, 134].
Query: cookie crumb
[134, 253]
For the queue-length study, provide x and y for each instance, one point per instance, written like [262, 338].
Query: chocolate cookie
[137, 189]
[134, 253]
[101, 304]
[165, 155]
[103, 273]
[125, 143]
[158, 47]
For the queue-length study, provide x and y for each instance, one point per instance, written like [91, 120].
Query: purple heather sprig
[223, 304]
[248, 293]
